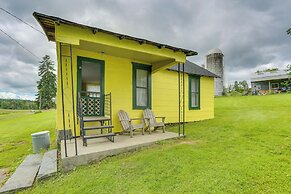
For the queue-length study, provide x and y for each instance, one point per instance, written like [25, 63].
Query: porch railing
[108, 106]
[94, 104]
[95, 107]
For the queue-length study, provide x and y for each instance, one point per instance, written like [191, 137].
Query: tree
[289, 31]
[46, 86]
[289, 69]
[238, 88]
[287, 83]
[244, 87]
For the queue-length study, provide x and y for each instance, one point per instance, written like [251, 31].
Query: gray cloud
[251, 33]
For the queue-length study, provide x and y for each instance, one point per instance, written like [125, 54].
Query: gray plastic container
[40, 140]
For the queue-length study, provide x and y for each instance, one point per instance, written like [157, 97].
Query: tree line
[17, 104]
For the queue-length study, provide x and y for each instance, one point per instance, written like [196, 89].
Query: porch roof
[193, 69]
[268, 76]
[48, 25]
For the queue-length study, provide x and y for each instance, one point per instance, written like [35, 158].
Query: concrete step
[24, 175]
[48, 166]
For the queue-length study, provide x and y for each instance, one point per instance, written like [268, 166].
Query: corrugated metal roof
[48, 25]
[193, 69]
[264, 76]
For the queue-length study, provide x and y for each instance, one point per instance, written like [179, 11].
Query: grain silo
[214, 63]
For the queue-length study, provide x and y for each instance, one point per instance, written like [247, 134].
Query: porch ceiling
[121, 52]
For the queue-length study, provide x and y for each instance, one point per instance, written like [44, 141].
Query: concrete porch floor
[100, 148]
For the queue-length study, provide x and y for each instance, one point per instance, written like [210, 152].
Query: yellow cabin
[101, 72]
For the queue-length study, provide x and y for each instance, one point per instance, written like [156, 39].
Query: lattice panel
[84, 106]
[91, 106]
[98, 106]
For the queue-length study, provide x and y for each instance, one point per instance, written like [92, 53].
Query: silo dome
[215, 50]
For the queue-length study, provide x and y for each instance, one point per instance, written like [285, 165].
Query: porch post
[179, 103]
[269, 86]
[73, 99]
[183, 71]
[63, 108]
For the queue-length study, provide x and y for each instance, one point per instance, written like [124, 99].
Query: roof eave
[140, 40]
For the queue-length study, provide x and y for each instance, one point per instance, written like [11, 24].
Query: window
[194, 92]
[275, 86]
[141, 85]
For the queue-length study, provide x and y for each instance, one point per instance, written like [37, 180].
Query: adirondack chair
[127, 125]
[151, 121]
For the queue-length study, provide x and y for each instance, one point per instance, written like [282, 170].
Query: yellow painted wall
[118, 81]
[206, 101]
[165, 97]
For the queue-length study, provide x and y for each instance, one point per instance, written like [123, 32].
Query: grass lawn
[15, 139]
[245, 149]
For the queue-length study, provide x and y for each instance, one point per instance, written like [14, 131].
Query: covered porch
[101, 148]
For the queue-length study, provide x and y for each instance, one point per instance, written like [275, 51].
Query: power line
[19, 44]
[21, 20]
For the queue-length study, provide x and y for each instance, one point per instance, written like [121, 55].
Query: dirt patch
[3, 175]
[190, 142]
[20, 143]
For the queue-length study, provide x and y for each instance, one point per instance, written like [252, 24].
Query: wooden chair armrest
[163, 119]
[137, 119]
[123, 120]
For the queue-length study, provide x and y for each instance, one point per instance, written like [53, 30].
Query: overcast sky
[251, 33]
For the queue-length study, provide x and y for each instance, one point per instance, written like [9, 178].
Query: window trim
[190, 77]
[148, 68]
[80, 59]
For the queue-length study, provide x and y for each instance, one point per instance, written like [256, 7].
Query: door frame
[101, 63]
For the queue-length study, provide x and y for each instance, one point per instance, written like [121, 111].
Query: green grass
[245, 149]
[15, 134]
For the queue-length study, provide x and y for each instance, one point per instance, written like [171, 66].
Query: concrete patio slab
[48, 166]
[24, 175]
[101, 148]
